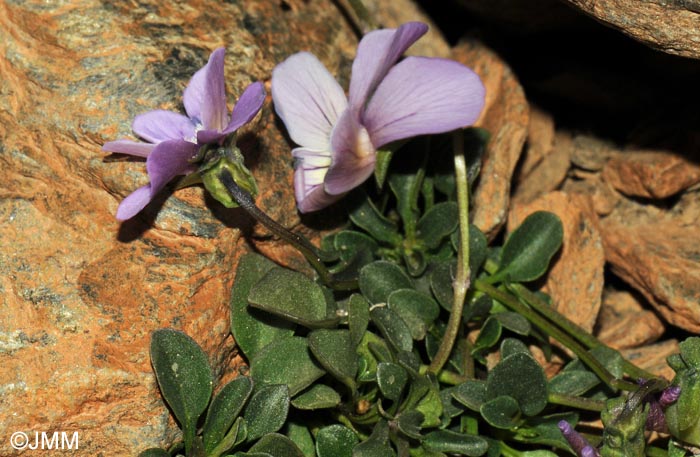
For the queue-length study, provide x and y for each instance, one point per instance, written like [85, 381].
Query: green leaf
[391, 379]
[573, 382]
[184, 377]
[455, 443]
[154, 452]
[335, 352]
[335, 441]
[690, 352]
[430, 404]
[529, 249]
[392, 327]
[236, 435]
[224, 410]
[511, 346]
[409, 423]
[267, 411]
[437, 223]
[277, 446]
[300, 434]
[367, 350]
[471, 394]
[501, 412]
[348, 243]
[488, 336]
[417, 310]
[381, 165]
[377, 445]
[286, 361]
[378, 279]
[368, 218]
[292, 296]
[514, 322]
[441, 283]
[544, 431]
[406, 188]
[319, 396]
[521, 377]
[358, 318]
[252, 329]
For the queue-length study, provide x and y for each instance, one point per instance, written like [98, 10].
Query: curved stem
[461, 281]
[301, 244]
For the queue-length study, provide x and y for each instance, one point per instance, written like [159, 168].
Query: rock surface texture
[80, 291]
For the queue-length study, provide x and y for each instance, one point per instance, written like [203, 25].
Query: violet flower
[388, 101]
[174, 140]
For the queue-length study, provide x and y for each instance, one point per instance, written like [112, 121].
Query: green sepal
[226, 159]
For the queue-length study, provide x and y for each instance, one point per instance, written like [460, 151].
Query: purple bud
[577, 442]
[669, 396]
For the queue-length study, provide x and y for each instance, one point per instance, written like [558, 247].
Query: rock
[506, 117]
[540, 140]
[624, 323]
[548, 174]
[590, 153]
[652, 358]
[658, 259]
[575, 279]
[668, 25]
[603, 196]
[81, 292]
[650, 174]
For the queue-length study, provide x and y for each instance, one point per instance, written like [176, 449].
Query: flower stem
[299, 242]
[576, 402]
[462, 277]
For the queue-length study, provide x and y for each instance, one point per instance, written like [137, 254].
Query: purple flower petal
[423, 95]
[169, 159]
[160, 125]
[134, 203]
[205, 95]
[245, 110]
[377, 52]
[307, 99]
[134, 148]
[308, 180]
[353, 156]
[247, 107]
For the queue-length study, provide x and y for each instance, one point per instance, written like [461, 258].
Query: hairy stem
[461, 281]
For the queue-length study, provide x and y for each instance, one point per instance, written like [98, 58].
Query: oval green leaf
[319, 396]
[224, 409]
[276, 445]
[251, 328]
[335, 441]
[286, 361]
[267, 411]
[529, 249]
[335, 352]
[291, 296]
[522, 378]
[184, 377]
[378, 279]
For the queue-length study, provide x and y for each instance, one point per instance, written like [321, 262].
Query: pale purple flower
[174, 139]
[387, 101]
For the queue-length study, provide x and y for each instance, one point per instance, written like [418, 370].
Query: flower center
[363, 144]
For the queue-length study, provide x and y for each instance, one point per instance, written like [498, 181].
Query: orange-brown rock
[590, 184]
[506, 117]
[575, 280]
[540, 140]
[624, 323]
[548, 174]
[653, 357]
[668, 25]
[80, 291]
[660, 260]
[650, 174]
